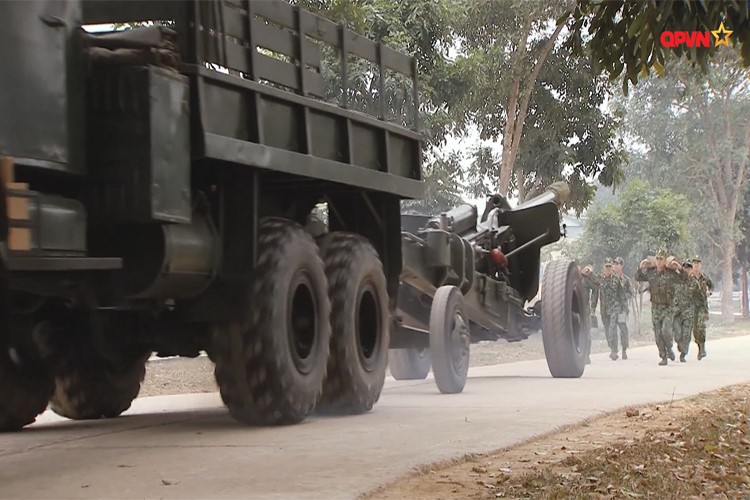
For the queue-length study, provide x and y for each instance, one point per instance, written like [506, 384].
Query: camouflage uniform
[700, 289]
[683, 310]
[611, 293]
[590, 286]
[628, 292]
[661, 288]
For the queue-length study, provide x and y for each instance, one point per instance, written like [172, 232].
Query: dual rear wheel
[316, 330]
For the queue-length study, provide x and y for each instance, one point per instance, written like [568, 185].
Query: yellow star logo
[721, 40]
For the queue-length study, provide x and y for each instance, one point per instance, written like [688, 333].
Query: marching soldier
[611, 293]
[661, 287]
[702, 289]
[590, 294]
[682, 308]
[622, 318]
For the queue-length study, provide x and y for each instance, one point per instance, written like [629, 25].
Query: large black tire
[564, 331]
[449, 340]
[360, 324]
[270, 365]
[25, 386]
[91, 382]
[409, 364]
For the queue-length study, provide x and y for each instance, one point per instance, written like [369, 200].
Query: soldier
[611, 293]
[661, 283]
[622, 318]
[590, 294]
[682, 308]
[702, 289]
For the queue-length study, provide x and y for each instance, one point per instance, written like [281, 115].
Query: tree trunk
[727, 284]
[521, 181]
[743, 284]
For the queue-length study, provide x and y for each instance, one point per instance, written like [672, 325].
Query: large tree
[543, 107]
[624, 36]
[696, 133]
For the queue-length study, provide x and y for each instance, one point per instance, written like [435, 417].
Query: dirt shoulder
[691, 448]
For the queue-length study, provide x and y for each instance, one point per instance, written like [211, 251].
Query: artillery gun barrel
[557, 192]
[460, 220]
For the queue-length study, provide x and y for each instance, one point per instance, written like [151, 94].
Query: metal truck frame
[158, 183]
[467, 280]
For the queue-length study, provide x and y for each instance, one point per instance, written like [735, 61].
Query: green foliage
[566, 133]
[695, 136]
[624, 36]
[642, 220]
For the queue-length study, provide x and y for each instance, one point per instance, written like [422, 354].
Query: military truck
[468, 279]
[156, 186]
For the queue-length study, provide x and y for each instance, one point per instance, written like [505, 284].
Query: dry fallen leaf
[632, 413]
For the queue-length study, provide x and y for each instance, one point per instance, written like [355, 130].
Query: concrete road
[187, 447]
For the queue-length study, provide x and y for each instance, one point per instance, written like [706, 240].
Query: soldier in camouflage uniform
[661, 283]
[622, 318]
[611, 293]
[590, 293]
[682, 309]
[702, 289]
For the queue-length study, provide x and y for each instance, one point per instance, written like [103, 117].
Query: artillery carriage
[467, 279]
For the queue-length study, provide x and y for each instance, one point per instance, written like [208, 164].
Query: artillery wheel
[360, 323]
[270, 365]
[564, 332]
[449, 340]
[409, 364]
[91, 382]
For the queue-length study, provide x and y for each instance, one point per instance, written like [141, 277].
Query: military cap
[607, 262]
[696, 258]
[619, 260]
[661, 253]
[687, 263]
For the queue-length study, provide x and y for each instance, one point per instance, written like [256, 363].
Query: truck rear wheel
[88, 384]
[360, 322]
[270, 365]
[563, 328]
[24, 389]
[25, 385]
[409, 364]
[449, 340]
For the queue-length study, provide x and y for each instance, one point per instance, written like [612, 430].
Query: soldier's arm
[709, 284]
[642, 274]
[629, 290]
[594, 294]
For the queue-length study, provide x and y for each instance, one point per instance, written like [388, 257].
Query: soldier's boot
[663, 362]
[624, 354]
[613, 355]
[701, 350]
[682, 357]
[670, 353]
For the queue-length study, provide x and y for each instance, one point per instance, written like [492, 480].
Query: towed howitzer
[493, 264]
